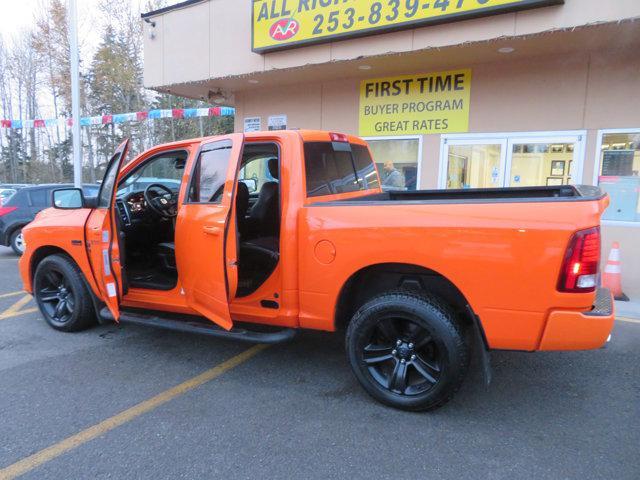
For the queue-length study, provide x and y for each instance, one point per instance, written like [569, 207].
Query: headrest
[242, 188]
[273, 167]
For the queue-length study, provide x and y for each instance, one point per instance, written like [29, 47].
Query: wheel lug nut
[398, 342]
[411, 345]
[402, 361]
[413, 357]
[393, 352]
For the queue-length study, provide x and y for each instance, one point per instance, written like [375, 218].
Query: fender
[70, 240]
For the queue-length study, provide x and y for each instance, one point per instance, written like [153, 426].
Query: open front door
[206, 238]
[102, 236]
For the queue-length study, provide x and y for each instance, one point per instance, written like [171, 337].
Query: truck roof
[307, 136]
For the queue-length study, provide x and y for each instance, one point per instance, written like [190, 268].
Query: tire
[407, 350]
[62, 294]
[17, 242]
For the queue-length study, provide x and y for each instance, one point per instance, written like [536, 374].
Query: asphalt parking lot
[103, 404]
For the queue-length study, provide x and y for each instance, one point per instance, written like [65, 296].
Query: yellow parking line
[628, 320]
[14, 309]
[29, 463]
[15, 314]
[11, 294]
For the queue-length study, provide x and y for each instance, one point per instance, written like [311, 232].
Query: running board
[189, 325]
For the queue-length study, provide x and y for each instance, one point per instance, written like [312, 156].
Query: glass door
[511, 160]
[474, 163]
[539, 161]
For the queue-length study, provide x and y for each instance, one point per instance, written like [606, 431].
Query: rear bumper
[567, 330]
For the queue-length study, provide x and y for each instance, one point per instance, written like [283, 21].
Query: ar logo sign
[284, 29]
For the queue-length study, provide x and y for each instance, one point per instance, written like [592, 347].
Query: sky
[17, 15]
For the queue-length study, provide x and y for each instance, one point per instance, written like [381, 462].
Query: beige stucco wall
[212, 39]
[587, 91]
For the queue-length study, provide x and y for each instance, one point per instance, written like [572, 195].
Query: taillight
[5, 210]
[580, 267]
[338, 137]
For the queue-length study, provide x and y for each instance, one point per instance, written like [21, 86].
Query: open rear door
[102, 236]
[206, 237]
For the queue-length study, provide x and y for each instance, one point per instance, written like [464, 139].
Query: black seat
[242, 206]
[167, 255]
[264, 216]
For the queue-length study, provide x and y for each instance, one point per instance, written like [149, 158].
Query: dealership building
[452, 93]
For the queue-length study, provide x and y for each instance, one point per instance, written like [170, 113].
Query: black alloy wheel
[403, 356]
[56, 296]
[62, 294]
[407, 349]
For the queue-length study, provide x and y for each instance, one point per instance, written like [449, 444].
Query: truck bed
[501, 248]
[565, 193]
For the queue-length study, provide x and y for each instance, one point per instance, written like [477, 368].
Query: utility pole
[75, 93]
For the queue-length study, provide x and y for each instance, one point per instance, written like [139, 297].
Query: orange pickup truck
[254, 236]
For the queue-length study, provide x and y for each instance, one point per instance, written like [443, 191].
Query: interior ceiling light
[506, 49]
[254, 81]
[364, 67]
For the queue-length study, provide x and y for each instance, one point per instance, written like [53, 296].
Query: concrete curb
[628, 310]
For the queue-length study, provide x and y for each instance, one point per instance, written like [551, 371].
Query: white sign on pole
[252, 124]
[277, 122]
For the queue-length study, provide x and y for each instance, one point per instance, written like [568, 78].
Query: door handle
[212, 230]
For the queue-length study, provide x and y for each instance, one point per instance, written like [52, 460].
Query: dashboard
[136, 202]
[133, 209]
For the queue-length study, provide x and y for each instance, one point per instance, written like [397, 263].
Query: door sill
[194, 324]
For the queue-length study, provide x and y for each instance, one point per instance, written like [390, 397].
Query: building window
[618, 173]
[511, 159]
[397, 160]
[474, 165]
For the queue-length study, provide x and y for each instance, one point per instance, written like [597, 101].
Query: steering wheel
[164, 203]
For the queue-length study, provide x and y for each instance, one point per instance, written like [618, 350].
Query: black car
[22, 207]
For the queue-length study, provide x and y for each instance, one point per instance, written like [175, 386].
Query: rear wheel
[62, 295]
[17, 242]
[407, 350]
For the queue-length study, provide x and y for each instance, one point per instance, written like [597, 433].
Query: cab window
[338, 168]
[210, 173]
[106, 190]
[255, 169]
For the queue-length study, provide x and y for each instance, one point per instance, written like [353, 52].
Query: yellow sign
[279, 24]
[415, 104]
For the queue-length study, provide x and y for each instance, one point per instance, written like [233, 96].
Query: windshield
[166, 169]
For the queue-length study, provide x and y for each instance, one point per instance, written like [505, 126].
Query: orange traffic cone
[612, 276]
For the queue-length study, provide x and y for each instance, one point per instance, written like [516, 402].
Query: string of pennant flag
[120, 117]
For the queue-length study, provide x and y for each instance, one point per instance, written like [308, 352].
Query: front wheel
[407, 350]
[62, 295]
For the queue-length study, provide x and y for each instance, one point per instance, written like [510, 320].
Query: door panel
[102, 236]
[206, 239]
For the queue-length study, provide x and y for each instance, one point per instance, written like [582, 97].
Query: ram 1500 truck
[253, 236]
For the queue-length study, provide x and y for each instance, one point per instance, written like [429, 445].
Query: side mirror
[251, 183]
[68, 198]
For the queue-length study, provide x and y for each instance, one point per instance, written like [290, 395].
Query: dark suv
[22, 207]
